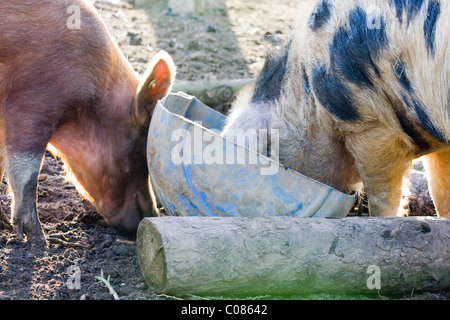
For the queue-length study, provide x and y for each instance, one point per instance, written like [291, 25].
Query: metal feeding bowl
[196, 172]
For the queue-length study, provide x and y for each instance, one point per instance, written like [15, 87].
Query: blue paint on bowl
[226, 190]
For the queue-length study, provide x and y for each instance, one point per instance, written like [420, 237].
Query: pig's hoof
[38, 240]
[34, 234]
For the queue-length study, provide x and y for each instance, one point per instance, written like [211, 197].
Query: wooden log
[294, 256]
[213, 93]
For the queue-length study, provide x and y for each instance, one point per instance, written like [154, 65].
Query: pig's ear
[155, 84]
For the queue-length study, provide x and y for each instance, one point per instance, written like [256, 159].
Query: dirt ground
[231, 44]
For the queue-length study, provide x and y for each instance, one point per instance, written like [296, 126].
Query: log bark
[294, 256]
[213, 93]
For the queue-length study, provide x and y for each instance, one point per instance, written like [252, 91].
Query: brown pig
[67, 86]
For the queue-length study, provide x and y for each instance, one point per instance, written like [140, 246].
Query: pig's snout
[126, 219]
[127, 222]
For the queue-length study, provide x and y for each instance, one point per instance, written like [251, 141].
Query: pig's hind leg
[437, 166]
[382, 162]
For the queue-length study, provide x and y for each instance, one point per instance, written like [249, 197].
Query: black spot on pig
[411, 102]
[320, 16]
[424, 119]
[433, 13]
[410, 129]
[333, 94]
[412, 8]
[353, 53]
[400, 73]
[356, 47]
[269, 83]
[306, 86]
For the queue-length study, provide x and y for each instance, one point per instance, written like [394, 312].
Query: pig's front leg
[2, 171]
[22, 172]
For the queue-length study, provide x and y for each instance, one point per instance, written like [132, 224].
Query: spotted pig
[360, 90]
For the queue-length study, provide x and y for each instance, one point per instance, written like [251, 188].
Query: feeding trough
[196, 172]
